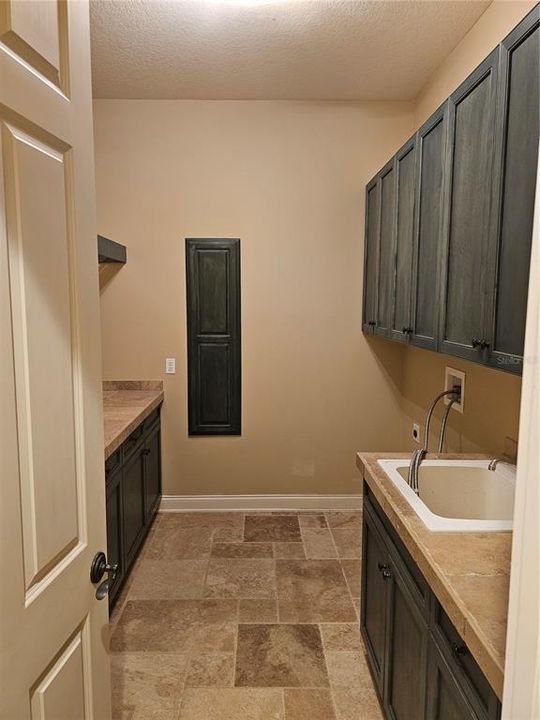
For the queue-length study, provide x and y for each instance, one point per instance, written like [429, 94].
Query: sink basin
[458, 495]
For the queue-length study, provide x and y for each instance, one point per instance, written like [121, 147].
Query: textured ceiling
[272, 49]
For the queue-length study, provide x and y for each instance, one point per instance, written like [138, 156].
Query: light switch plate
[452, 378]
[170, 366]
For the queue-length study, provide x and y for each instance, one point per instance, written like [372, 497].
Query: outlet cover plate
[454, 377]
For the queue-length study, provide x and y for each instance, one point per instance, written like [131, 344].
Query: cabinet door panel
[152, 473]
[374, 591]
[115, 541]
[371, 252]
[406, 676]
[430, 228]
[386, 249]
[133, 500]
[519, 101]
[405, 201]
[472, 128]
[445, 701]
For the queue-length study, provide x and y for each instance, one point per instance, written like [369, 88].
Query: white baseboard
[185, 503]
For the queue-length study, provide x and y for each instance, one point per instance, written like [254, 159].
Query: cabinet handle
[475, 342]
[386, 574]
[459, 650]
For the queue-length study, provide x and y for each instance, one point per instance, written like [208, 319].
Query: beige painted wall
[288, 179]
[492, 397]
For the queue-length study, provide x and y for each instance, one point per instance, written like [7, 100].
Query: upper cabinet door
[400, 328]
[385, 276]
[371, 255]
[430, 223]
[518, 131]
[471, 154]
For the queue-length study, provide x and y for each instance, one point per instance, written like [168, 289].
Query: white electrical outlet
[453, 378]
[415, 433]
[170, 366]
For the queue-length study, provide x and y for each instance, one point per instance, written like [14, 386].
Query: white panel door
[54, 661]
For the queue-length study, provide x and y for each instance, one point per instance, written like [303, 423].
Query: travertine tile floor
[233, 616]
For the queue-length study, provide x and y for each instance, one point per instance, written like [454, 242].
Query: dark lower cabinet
[115, 539]
[133, 491]
[421, 667]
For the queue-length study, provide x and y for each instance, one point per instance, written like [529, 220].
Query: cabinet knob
[146, 451]
[386, 574]
[459, 650]
[475, 342]
[382, 566]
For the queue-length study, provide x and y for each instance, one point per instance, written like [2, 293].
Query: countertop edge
[480, 647]
[126, 431]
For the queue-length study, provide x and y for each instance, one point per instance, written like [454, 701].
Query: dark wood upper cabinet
[472, 114]
[517, 150]
[430, 223]
[400, 327]
[386, 249]
[371, 255]
[213, 320]
[464, 292]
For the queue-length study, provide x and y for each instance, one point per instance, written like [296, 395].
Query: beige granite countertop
[468, 572]
[126, 403]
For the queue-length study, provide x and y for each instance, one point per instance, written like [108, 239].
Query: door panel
[472, 129]
[133, 503]
[406, 684]
[406, 183]
[386, 267]
[371, 254]
[37, 33]
[152, 472]
[374, 590]
[519, 102]
[61, 694]
[430, 228]
[41, 288]
[53, 631]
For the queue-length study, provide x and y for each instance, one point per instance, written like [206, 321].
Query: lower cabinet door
[405, 685]
[375, 566]
[115, 541]
[152, 472]
[446, 700]
[133, 502]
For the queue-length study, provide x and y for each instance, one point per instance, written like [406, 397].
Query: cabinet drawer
[464, 666]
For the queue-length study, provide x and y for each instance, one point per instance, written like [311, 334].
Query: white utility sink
[458, 495]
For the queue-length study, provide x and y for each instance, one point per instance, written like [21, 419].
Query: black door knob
[100, 566]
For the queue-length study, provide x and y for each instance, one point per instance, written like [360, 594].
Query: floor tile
[147, 685]
[308, 704]
[175, 542]
[242, 550]
[352, 570]
[348, 543]
[287, 550]
[312, 521]
[341, 636]
[168, 579]
[341, 519]
[171, 625]
[232, 704]
[348, 669]
[280, 656]
[240, 578]
[357, 703]
[313, 591]
[318, 544]
[257, 611]
[272, 528]
[211, 670]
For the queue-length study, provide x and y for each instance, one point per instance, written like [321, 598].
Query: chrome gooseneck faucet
[419, 455]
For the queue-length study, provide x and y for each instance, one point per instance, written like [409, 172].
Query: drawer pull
[459, 650]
